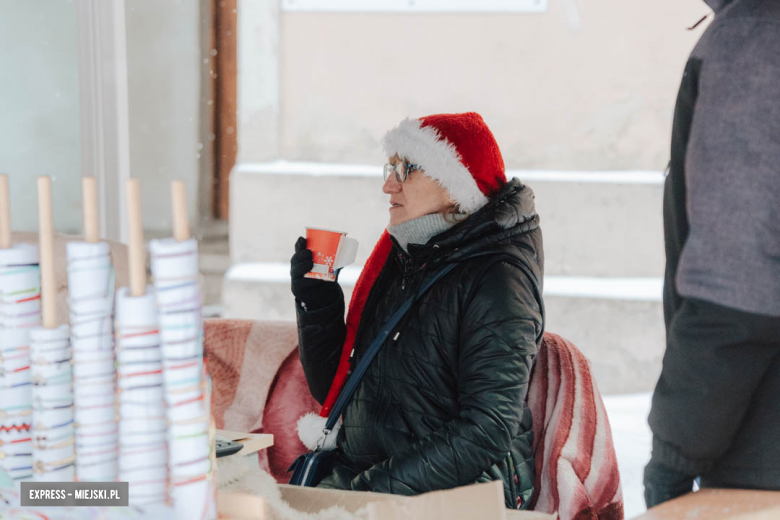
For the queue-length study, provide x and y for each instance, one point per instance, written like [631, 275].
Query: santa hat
[461, 154]
[456, 150]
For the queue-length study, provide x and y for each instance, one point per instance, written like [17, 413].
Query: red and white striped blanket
[576, 467]
[258, 386]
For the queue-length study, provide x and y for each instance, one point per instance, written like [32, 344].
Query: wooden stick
[46, 252]
[181, 226]
[90, 203]
[135, 250]
[5, 213]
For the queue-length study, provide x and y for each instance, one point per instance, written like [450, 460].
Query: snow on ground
[633, 441]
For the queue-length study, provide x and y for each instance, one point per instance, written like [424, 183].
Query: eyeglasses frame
[394, 167]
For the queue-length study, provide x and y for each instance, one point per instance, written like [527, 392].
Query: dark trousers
[716, 407]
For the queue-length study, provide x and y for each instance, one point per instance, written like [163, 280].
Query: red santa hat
[461, 154]
[456, 150]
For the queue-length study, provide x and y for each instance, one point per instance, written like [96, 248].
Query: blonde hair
[453, 214]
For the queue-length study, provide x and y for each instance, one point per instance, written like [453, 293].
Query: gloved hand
[315, 294]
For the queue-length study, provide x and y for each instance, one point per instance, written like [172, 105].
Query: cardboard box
[481, 501]
[719, 504]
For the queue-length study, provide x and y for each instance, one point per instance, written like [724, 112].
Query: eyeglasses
[401, 170]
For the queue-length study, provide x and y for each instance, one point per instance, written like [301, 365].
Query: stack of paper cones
[20, 311]
[177, 287]
[53, 439]
[143, 424]
[91, 303]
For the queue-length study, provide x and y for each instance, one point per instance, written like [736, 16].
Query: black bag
[310, 468]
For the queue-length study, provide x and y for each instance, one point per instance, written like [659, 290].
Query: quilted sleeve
[320, 339]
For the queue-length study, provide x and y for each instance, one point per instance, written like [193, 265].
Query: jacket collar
[510, 212]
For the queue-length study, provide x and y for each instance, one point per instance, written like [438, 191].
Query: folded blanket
[576, 467]
[259, 385]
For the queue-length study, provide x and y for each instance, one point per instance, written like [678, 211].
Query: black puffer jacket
[443, 405]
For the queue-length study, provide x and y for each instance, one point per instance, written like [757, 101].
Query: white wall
[39, 108]
[587, 85]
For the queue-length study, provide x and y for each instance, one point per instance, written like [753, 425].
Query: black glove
[313, 293]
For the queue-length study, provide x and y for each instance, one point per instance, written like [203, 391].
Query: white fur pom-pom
[310, 431]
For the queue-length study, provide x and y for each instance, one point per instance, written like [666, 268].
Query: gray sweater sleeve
[733, 164]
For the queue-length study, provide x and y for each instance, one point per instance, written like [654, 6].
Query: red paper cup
[331, 250]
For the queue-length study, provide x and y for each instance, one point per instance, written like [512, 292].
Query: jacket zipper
[367, 310]
[382, 402]
[407, 267]
[404, 271]
[514, 481]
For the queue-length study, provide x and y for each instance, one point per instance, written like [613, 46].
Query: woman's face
[417, 196]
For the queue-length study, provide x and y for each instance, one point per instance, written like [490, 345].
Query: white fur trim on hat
[310, 431]
[438, 157]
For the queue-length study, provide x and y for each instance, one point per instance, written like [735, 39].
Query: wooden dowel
[181, 225]
[90, 206]
[46, 253]
[135, 250]
[5, 213]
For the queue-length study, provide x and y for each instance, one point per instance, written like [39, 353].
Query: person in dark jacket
[715, 413]
[443, 404]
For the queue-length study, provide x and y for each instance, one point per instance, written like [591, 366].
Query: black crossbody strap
[360, 370]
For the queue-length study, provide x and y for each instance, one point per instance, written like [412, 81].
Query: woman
[443, 403]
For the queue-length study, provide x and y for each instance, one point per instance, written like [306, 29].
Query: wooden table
[719, 504]
[252, 442]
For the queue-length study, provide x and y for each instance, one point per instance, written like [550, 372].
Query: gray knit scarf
[419, 230]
